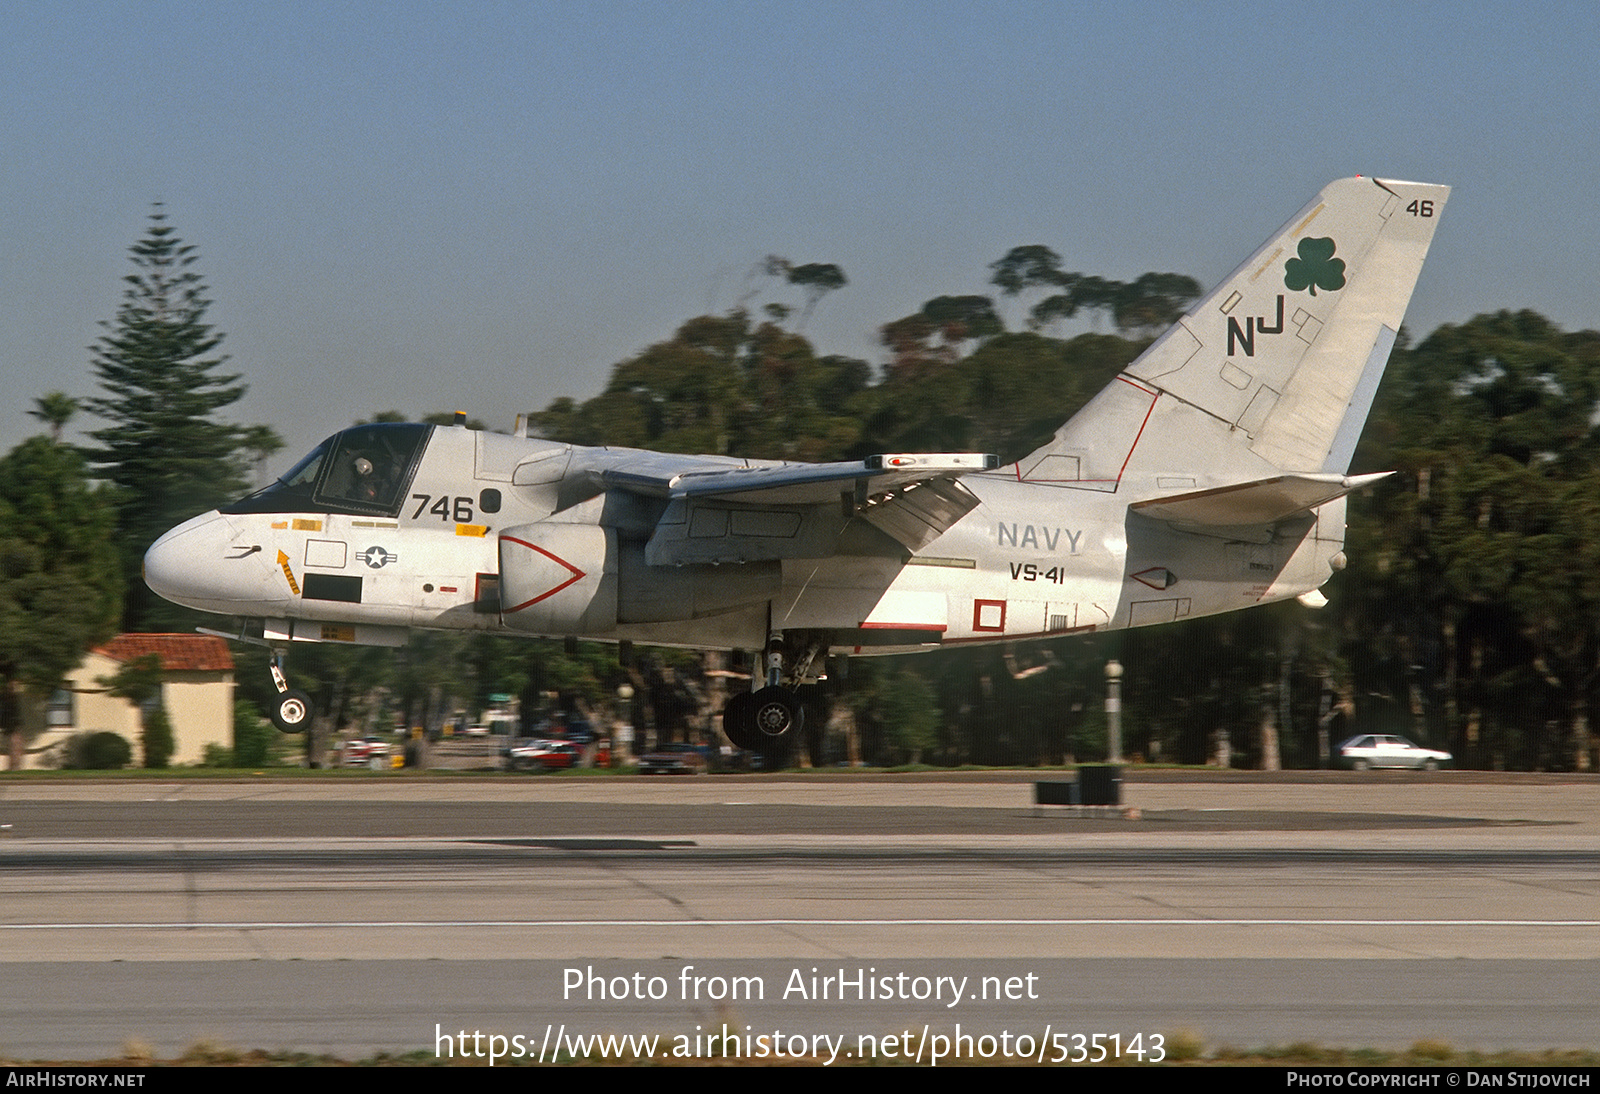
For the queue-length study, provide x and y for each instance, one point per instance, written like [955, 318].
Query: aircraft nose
[205, 563]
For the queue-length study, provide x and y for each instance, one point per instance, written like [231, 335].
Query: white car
[1387, 750]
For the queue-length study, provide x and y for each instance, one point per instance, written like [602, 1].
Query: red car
[365, 752]
[539, 754]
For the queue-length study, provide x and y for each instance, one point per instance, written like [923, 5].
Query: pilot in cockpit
[366, 484]
[375, 476]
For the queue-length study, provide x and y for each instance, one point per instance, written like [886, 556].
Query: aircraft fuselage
[1029, 560]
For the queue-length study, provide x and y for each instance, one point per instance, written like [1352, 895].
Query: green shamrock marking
[1316, 267]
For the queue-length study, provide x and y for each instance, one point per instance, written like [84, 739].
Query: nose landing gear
[291, 710]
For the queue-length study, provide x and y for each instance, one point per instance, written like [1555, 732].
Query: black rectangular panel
[346, 590]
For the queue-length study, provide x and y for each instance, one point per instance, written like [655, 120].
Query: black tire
[1430, 765]
[777, 712]
[738, 722]
[1359, 765]
[292, 712]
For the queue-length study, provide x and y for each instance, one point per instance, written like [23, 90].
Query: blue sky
[484, 206]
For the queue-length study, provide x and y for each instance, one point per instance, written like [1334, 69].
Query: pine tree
[164, 451]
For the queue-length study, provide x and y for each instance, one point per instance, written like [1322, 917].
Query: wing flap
[919, 514]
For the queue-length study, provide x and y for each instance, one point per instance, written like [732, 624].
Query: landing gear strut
[291, 709]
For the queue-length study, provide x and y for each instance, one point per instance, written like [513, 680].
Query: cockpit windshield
[364, 470]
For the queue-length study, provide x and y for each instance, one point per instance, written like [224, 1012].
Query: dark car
[675, 759]
[580, 731]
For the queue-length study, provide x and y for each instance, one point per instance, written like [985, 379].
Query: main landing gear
[291, 709]
[758, 720]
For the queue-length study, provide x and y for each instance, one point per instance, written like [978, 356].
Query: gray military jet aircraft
[1209, 476]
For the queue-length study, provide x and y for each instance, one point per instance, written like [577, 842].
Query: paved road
[381, 913]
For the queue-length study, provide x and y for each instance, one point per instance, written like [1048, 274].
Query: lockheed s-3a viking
[1209, 476]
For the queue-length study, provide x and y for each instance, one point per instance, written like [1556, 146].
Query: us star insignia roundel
[376, 557]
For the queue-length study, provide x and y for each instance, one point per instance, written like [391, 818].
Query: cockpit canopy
[363, 471]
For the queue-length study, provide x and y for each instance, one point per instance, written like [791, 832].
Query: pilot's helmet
[363, 466]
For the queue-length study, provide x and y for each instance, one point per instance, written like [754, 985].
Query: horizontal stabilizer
[1264, 501]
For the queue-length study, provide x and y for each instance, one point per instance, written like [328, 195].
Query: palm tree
[55, 410]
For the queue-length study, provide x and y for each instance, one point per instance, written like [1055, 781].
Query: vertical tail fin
[1275, 368]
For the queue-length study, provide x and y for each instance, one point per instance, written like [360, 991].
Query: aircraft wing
[796, 483]
[747, 513]
[1263, 501]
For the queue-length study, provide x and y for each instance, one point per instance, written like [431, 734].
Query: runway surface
[383, 913]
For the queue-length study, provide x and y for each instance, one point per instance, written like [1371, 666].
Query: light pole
[1114, 711]
[623, 753]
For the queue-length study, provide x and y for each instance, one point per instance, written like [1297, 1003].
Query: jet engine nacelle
[558, 579]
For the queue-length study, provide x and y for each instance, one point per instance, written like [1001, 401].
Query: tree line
[1468, 619]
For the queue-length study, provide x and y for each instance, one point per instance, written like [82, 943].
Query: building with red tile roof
[196, 690]
[178, 652]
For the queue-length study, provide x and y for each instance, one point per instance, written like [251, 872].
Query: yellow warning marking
[280, 524]
[303, 525]
[1271, 258]
[472, 529]
[1298, 228]
[288, 574]
[333, 633]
